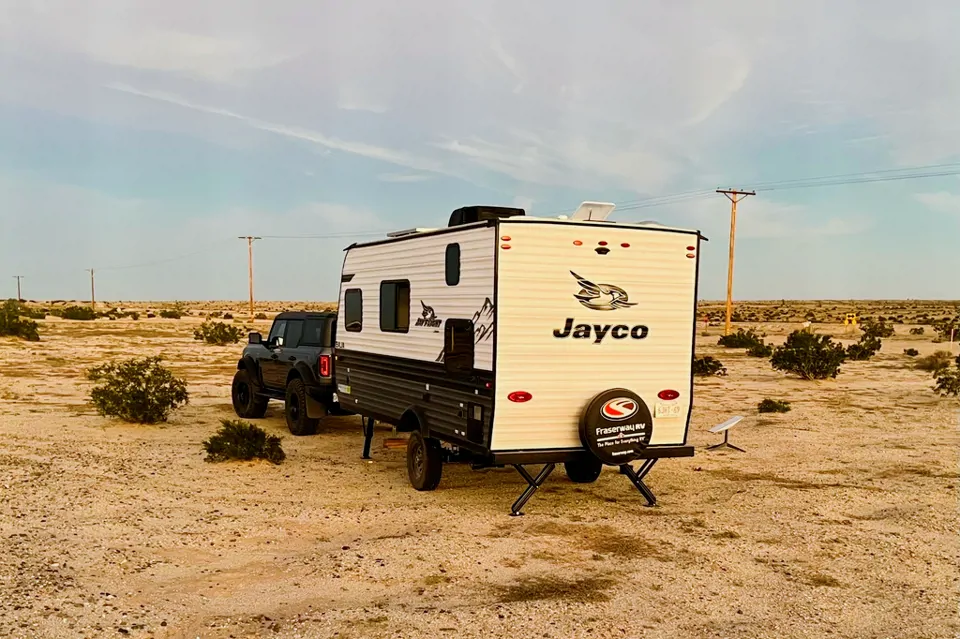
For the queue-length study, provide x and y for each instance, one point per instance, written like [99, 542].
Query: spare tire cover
[614, 424]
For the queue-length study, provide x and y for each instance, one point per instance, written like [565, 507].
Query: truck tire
[583, 471]
[246, 402]
[295, 409]
[424, 463]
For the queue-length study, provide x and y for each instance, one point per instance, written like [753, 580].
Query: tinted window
[353, 310]
[294, 331]
[276, 332]
[395, 306]
[458, 341]
[315, 332]
[452, 264]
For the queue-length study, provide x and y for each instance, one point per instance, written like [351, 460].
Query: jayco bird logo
[601, 297]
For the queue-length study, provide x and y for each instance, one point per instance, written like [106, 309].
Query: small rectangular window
[316, 332]
[276, 333]
[452, 264]
[395, 306]
[291, 338]
[353, 310]
[458, 342]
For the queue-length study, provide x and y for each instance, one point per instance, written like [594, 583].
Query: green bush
[260, 316]
[140, 391]
[13, 325]
[773, 406]
[741, 339]
[911, 352]
[945, 325]
[916, 331]
[760, 350]
[217, 333]
[877, 329]
[948, 381]
[228, 316]
[77, 313]
[935, 362]
[708, 366]
[242, 440]
[809, 355]
[30, 313]
[171, 313]
[867, 347]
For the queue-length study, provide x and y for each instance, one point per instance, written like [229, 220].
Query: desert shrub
[140, 391]
[935, 362]
[170, 313]
[78, 313]
[708, 366]
[911, 352]
[877, 329]
[946, 326]
[260, 316]
[133, 315]
[31, 313]
[237, 439]
[13, 325]
[217, 333]
[916, 331]
[760, 350]
[864, 349]
[741, 339]
[228, 316]
[948, 381]
[773, 406]
[809, 355]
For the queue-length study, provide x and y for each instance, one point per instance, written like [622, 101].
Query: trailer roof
[523, 219]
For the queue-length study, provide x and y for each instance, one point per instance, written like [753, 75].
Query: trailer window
[458, 340]
[452, 264]
[353, 310]
[395, 306]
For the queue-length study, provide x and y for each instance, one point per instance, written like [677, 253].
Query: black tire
[246, 402]
[424, 463]
[295, 409]
[585, 470]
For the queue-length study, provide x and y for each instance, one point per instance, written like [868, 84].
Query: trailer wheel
[296, 409]
[583, 471]
[424, 463]
[246, 403]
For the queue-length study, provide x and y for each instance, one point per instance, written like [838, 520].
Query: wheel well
[294, 374]
[409, 422]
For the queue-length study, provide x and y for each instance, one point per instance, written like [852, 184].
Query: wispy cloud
[940, 201]
[403, 177]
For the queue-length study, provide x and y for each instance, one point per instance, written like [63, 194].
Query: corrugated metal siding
[421, 261]
[536, 295]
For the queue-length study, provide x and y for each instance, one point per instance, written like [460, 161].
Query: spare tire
[614, 425]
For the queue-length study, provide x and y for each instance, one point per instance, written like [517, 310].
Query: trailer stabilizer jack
[636, 476]
[535, 483]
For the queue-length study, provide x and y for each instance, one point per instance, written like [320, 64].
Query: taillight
[667, 395]
[519, 396]
[324, 366]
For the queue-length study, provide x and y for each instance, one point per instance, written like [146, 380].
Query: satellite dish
[596, 211]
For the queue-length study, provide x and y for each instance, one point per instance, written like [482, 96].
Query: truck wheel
[424, 464]
[296, 409]
[583, 471]
[246, 403]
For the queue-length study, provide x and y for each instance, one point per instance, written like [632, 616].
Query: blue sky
[140, 138]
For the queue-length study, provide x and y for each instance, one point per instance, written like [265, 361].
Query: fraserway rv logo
[600, 297]
[428, 317]
[619, 409]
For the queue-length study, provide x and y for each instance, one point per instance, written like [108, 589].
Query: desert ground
[839, 520]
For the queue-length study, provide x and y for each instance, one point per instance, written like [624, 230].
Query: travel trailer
[507, 339]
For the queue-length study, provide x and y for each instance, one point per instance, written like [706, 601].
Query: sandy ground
[840, 520]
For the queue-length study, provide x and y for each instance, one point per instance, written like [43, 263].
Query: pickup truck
[294, 365]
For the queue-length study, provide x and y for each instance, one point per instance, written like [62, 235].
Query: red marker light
[667, 395]
[520, 396]
[691, 248]
[602, 243]
[625, 245]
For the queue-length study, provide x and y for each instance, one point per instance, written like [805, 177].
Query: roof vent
[595, 211]
[471, 214]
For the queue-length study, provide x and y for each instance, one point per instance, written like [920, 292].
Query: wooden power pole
[93, 292]
[734, 196]
[250, 239]
[18, 278]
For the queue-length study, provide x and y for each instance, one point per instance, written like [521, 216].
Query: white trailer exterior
[559, 311]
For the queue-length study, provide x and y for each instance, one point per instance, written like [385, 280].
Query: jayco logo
[600, 297]
[428, 317]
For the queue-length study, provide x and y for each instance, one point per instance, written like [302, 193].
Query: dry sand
[840, 520]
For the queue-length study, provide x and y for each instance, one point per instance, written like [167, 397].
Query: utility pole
[93, 292]
[18, 278]
[734, 196]
[250, 239]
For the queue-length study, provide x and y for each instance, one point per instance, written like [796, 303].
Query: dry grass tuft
[586, 590]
